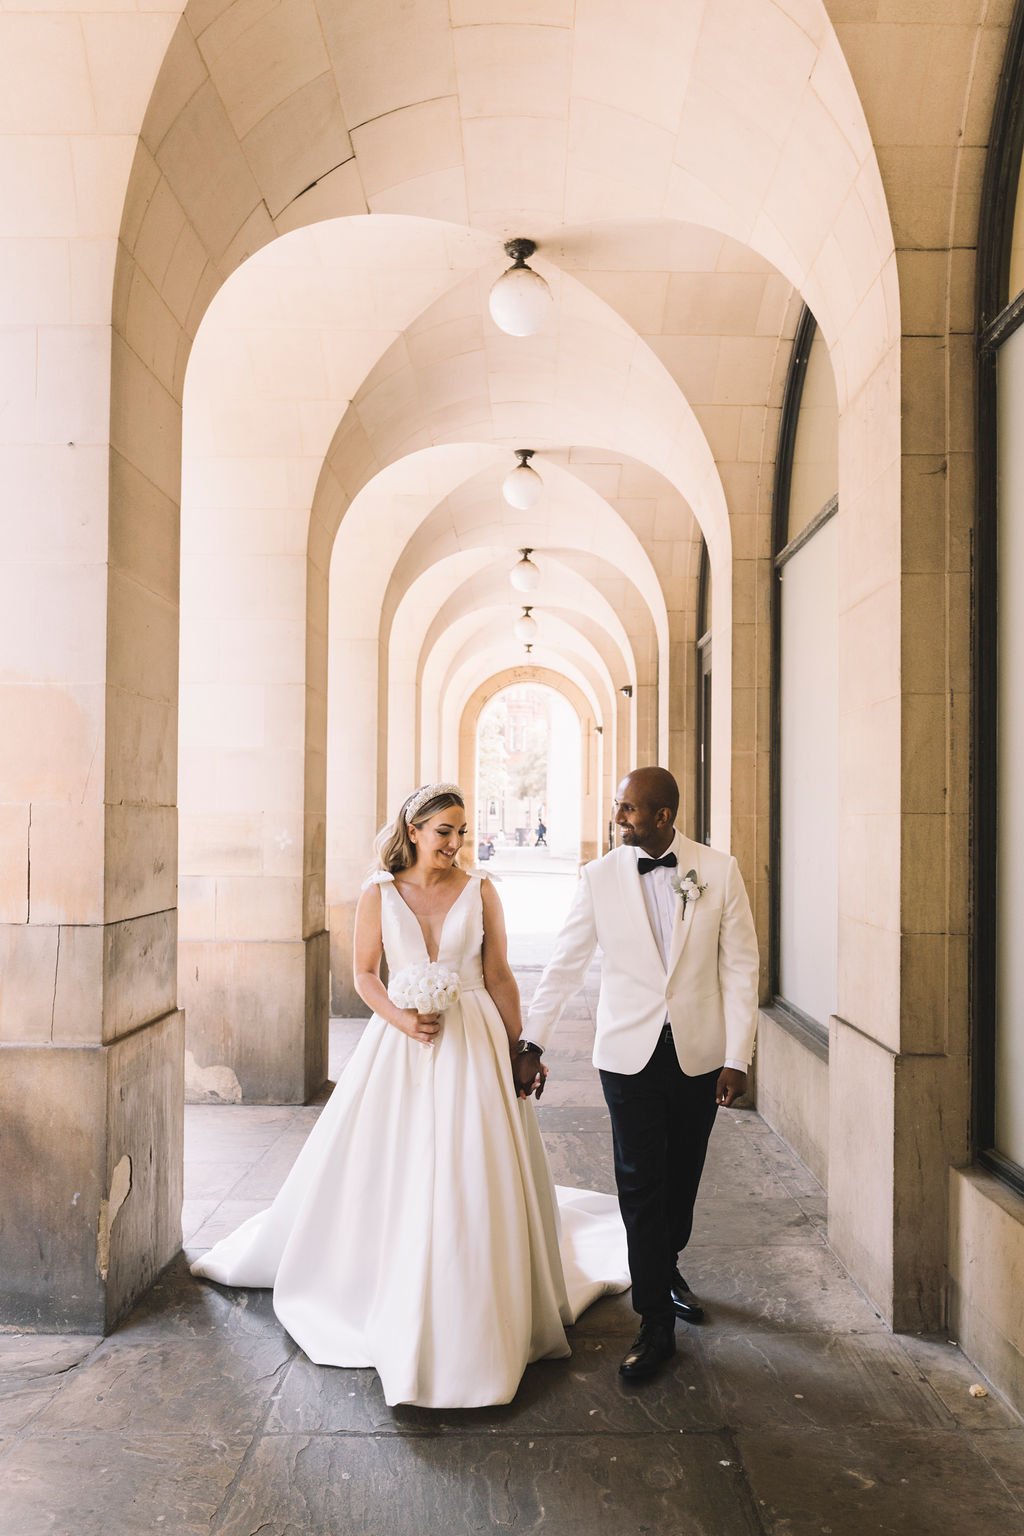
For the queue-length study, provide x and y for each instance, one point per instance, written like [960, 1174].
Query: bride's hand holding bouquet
[423, 992]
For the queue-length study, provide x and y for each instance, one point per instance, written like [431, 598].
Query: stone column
[254, 947]
[357, 739]
[90, 1036]
[590, 790]
[898, 1060]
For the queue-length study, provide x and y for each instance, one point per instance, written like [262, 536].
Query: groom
[675, 1028]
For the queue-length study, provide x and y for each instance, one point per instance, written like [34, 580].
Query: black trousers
[661, 1123]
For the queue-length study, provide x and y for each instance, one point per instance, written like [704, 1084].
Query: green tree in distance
[528, 774]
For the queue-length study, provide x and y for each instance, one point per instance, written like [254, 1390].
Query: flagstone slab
[44, 1354]
[218, 1386]
[33, 1369]
[97, 1484]
[819, 1381]
[951, 1375]
[582, 1395]
[683, 1484]
[228, 1215]
[1003, 1451]
[181, 1306]
[900, 1482]
[726, 1222]
[773, 1288]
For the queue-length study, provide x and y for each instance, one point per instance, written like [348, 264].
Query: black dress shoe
[653, 1345]
[685, 1302]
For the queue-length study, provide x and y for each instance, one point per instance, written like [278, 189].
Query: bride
[419, 1232]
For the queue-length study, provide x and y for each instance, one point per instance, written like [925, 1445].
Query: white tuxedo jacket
[708, 992]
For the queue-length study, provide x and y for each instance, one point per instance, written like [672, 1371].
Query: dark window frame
[702, 684]
[998, 316]
[810, 1032]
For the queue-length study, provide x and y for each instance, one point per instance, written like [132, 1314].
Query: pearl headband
[427, 793]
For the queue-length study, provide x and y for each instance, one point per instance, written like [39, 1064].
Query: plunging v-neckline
[432, 960]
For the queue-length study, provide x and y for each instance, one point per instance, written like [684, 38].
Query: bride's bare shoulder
[488, 894]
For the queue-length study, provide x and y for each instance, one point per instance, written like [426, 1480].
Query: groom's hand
[528, 1074]
[731, 1085]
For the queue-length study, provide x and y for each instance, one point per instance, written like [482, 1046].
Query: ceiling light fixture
[627, 690]
[522, 487]
[520, 301]
[525, 627]
[525, 576]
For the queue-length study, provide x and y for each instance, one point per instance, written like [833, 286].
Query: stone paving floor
[792, 1412]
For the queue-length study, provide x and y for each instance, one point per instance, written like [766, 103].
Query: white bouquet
[428, 987]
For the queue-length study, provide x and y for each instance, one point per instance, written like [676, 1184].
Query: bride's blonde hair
[393, 846]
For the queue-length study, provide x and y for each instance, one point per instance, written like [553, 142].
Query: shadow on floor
[792, 1412]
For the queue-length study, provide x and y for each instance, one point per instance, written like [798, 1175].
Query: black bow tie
[645, 865]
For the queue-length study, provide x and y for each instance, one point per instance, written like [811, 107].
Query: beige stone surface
[144, 1127]
[99, 1106]
[793, 1094]
[14, 863]
[861, 1162]
[988, 1219]
[28, 953]
[139, 972]
[927, 1145]
[78, 986]
[260, 1011]
[54, 1097]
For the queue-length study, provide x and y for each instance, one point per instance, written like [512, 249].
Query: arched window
[805, 717]
[998, 756]
[702, 830]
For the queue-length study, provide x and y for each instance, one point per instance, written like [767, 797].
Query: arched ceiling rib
[483, 632]
[292, 427]
[475, 663]
[475, 672]
[583, 524]
[490, 620]
[494, 608]
[481, 655]
[435, 385]
[648, 112]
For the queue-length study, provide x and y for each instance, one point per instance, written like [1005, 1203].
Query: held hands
[528, 1074]
[731, 1085]
[422, 1027]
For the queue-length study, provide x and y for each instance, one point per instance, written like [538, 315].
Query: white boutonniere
[688, 888]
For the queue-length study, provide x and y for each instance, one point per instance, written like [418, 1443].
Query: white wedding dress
[419, 1232]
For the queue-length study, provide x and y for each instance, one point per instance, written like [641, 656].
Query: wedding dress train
[419, 1231]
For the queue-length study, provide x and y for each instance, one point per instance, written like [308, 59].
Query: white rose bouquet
[428, 987]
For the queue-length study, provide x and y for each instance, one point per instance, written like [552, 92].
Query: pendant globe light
[522, 487]
[525, 576]
[520, 300]
[525, 627]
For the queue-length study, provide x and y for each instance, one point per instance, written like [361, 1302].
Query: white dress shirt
[662, 904]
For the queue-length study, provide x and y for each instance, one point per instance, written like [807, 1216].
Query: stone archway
[590, 747]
